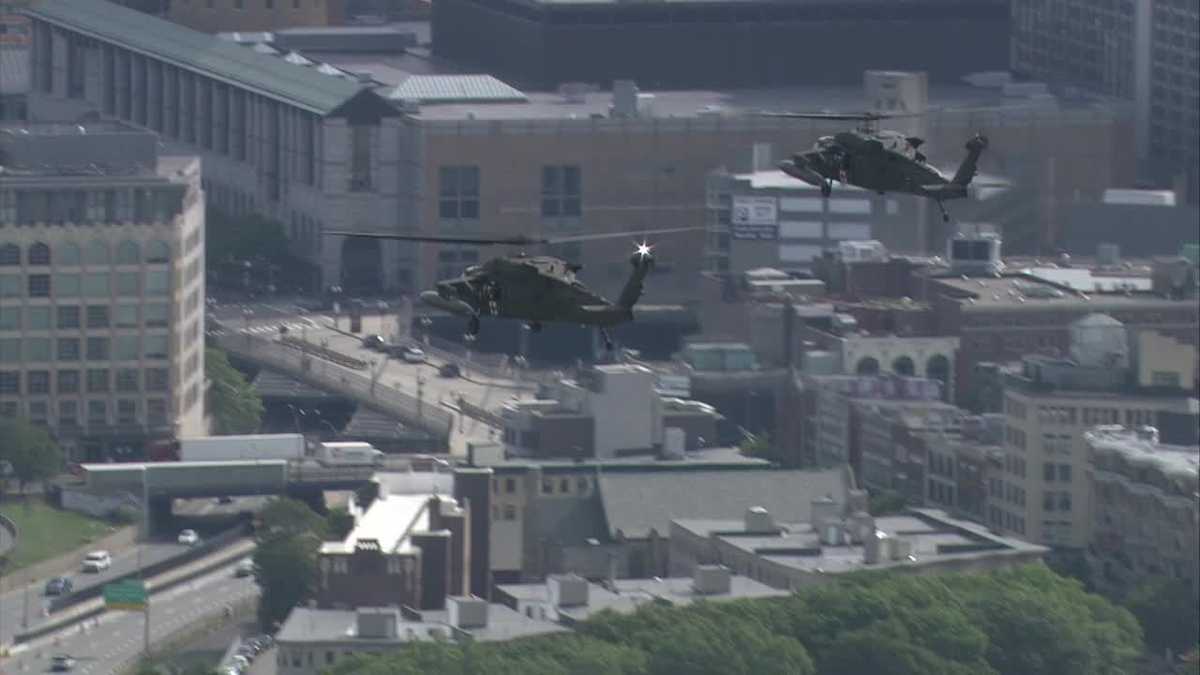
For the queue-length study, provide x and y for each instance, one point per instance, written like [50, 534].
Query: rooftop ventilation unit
[377, 622]
[758, 521]
[568, 590]
[467, 612]
[711, 580]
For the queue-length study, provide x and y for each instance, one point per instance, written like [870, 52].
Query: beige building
[1145, 508]
[1042, 494]
[101, 287]
[319, 145]
[212, 16]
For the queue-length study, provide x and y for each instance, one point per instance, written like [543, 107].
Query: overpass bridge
[159, 483]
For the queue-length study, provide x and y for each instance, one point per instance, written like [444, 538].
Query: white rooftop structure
[1141, 445]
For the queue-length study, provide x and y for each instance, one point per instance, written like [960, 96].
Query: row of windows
[96, 207]
[458, 192]
[92, 380]
[97, 252]
[1056, 501]
[93, 285]
[121, 348]
[38, 412]
[1052, 472]
[70, 317]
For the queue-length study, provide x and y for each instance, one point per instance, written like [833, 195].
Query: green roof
[198, 52]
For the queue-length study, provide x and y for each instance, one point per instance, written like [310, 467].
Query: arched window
[97, 253]
[938, 368]
[128, 253]
[904, 366]
[68, 253]
[39, 254]
[158, 251]
[10, 255]
[867, 366]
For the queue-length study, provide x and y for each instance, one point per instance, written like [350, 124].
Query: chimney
[473, 490]
[711, 580]
[1148, 434]
[824, 509]
[467, 612]
[437, 574]
[378, 623]
[625, 99]
[760, 158]
[568, 590]
[758, 521]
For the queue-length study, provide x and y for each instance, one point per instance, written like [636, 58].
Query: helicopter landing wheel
[472, 329]
[826, 189]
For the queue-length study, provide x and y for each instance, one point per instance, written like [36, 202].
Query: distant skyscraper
[1147, 51]
[101, 287]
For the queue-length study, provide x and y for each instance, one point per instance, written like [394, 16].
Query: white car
[97, 561]
[413, 355]
[189, 538]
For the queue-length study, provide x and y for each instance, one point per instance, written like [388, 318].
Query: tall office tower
[101, 287]
[1147, 51]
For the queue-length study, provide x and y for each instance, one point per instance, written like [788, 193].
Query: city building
[606, 411]
[15, 80]
[604, 519]
[546, 43]
[1101, 228]
[1003, 311]
[766, 218]
[101, 287]
[380, 144]
[1147, 52]
[313, 640]
[1114, 375]
[212, 16]
[568, 599]
[894, 440]
[1145, 506]
[405, 550]
[790, 554]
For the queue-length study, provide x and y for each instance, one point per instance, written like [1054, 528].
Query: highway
[415, 380]
[13, 607]
[115, 638]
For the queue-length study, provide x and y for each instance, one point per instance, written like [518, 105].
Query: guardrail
[62, 602]
[329, 375]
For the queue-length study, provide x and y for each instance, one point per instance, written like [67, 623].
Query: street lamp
[420, 397]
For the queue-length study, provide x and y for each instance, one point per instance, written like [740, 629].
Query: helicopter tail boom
[642, 261]
[798, 168]
[432, 299]
[966, 170]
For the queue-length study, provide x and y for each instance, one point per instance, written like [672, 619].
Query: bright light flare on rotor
[643, 250]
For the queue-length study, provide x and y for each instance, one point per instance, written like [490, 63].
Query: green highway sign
[128, 594]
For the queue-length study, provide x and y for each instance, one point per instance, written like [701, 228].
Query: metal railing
[324, 374]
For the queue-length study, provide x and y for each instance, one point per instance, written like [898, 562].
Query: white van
[349, 454]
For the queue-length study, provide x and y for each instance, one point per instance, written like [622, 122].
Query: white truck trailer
[245, 447]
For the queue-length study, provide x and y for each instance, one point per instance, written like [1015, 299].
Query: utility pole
[420, 398]
[141, 568]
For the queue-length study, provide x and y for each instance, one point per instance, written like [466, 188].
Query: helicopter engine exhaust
[798, 168]
[433, 299]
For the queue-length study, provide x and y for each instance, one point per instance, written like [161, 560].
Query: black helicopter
[534, 289]
[879, 160]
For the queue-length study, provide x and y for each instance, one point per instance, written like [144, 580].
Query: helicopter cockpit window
[474, 269]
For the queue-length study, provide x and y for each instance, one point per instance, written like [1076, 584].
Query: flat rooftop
[934, 536]
[391, 520]
[1021, 292]
[306, 625]
[1171, 459]
[962, 105]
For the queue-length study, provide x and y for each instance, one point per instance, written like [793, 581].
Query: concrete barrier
[10, 540]
[68, 562]
[64, 602]
[153, 586]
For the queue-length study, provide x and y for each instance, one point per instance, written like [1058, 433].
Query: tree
[236, 406]
[285, 559]
[1168, 612]
[30, 450]
[338, 524]
[759, 446]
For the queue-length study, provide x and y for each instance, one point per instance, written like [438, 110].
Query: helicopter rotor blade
[848, 117]
[616, 235]
[519, 240]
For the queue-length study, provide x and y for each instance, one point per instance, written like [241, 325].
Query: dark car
[59, 586]
[375, 342]
[449, 370]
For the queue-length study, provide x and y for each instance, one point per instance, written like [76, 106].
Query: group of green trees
[289, 535]
[1027, 621]
[234, 404]
[28, 453]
